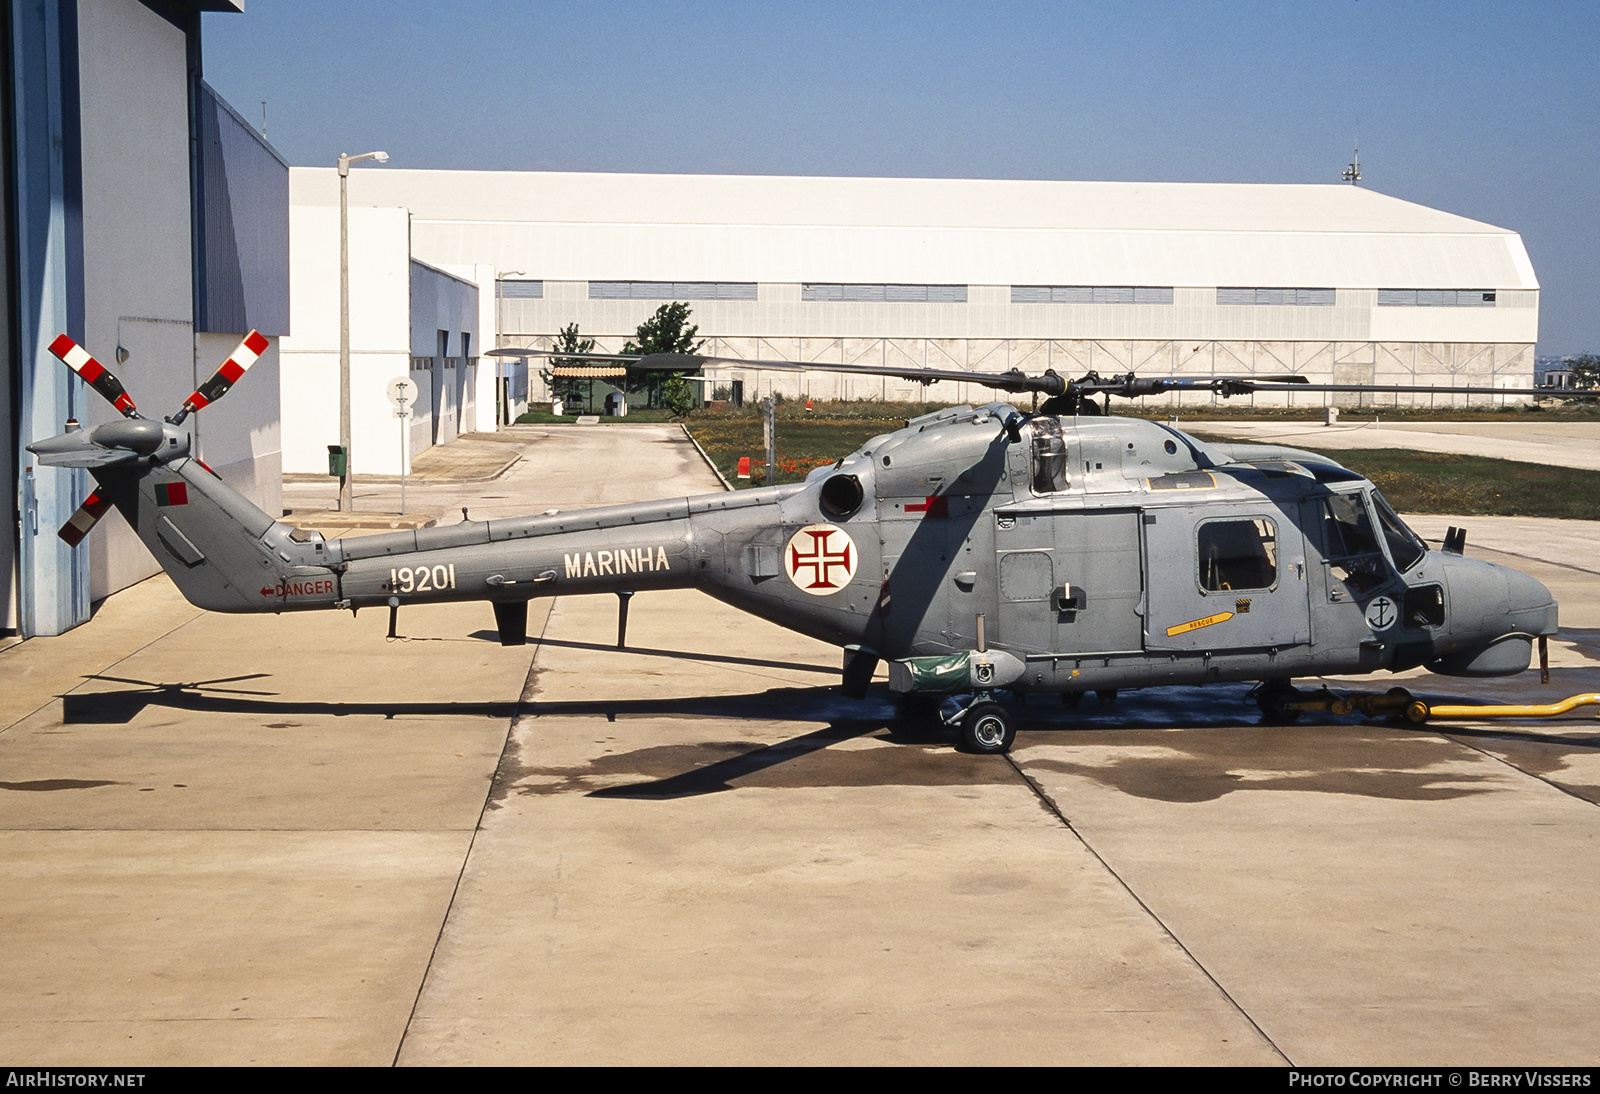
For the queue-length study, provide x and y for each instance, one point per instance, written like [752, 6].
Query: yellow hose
[1421, 712]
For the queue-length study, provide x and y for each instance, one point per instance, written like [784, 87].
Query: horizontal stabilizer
[79, 449]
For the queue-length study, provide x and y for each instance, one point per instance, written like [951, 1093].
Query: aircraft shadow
[683, 655]
[123, 706]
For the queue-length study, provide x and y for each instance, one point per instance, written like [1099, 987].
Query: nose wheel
[987, 728]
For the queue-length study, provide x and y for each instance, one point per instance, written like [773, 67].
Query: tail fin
[222, 552]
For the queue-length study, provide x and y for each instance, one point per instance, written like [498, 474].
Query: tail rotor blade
[94, 374]
[78, 525]
[243, 356]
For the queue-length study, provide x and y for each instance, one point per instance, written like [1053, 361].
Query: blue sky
[1488, 110]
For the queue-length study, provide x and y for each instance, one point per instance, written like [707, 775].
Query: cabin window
[1238, 554]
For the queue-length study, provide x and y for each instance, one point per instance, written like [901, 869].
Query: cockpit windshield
[1404, 546]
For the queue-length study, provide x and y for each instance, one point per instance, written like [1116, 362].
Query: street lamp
[346, 502]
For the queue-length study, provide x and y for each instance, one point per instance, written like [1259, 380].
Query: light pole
[346, 503]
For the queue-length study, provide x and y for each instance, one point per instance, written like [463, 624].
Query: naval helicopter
[980, 551]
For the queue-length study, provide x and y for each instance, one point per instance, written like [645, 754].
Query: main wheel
[988, 729]
[1274, 699]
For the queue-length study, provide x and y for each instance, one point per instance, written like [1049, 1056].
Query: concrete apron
[252, 869]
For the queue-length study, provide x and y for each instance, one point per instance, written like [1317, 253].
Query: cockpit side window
[1352, 548]
[1404, 546]
[1049, 456]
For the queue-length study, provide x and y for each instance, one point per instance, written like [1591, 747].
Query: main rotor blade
[79, 523]
[94, 374]
[239, 361]
[1048, 382]
[512, 351]
[1014, 380]
[1246, 387]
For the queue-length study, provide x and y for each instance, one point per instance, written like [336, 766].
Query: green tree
[667, 331]
[1585, 369]
[678, 394]
[568, 341]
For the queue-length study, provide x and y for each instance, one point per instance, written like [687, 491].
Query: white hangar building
[1333, 282]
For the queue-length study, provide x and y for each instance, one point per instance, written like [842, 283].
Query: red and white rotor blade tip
[240, 360]
[78, 525]
[94, 374]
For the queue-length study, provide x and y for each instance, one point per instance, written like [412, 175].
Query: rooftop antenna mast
[1352, 174]
[263, 119]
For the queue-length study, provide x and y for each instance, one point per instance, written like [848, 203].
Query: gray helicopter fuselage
[1056, 554]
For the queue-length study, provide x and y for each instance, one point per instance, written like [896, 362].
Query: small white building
[407, 318]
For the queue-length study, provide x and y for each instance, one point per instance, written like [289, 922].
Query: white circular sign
[1382, 613]
[402, 391]
[820, 559]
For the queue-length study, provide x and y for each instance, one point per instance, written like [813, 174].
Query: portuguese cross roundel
[820, 559]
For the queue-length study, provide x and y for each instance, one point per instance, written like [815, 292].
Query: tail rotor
[139, 440]
[94, 374]
[239, 361]
[79, 524]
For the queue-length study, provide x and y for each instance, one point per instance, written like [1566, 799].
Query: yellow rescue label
[1196, 624]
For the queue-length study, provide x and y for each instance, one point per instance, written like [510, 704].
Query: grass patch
[804, 441]
[1440, 482]
[1435, 482]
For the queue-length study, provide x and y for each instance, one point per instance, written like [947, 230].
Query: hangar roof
[587, 226]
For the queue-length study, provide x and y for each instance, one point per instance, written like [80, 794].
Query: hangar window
[672, 290]
[1238, 554]
[1090, 294]
[1315, 298]
[519, 290]
[1436, 298]
[892, 294]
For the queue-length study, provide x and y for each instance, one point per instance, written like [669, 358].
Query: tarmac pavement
[291, 840]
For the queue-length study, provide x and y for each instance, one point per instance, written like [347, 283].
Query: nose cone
[1494, 614]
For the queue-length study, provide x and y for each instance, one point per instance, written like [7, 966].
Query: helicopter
[979, 550]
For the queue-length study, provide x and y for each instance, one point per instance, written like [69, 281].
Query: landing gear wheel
[987, 729]
[1274, 699]
[1105, 696]
[1072, 699]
